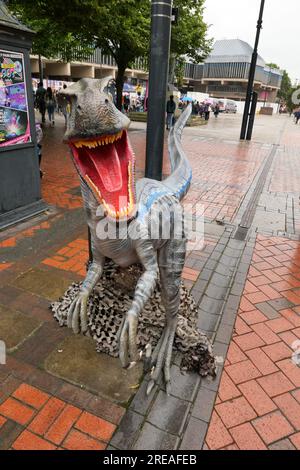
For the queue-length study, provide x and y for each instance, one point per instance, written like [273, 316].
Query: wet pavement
[247, 288]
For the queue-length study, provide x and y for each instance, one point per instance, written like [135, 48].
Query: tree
[189, 37]
[273, 66]
[50, 40]
[119, 27]
[286, 87]
[291, 100]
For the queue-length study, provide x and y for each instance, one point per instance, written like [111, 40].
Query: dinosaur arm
[93, 276]
[77, 315]
[143, 292]
[146, 284]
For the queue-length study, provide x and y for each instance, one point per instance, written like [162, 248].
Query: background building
[97, 65]
[225, 73]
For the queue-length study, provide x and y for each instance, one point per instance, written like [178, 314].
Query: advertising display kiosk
[20, 195]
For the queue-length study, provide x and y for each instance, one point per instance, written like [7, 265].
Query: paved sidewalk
[258, 402]
[258, 398]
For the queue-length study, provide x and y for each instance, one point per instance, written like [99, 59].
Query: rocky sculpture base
[111, 300]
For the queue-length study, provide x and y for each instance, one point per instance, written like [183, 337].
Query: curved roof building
[225, 72]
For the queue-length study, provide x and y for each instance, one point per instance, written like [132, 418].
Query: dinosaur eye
[106, 101]
[79, 107]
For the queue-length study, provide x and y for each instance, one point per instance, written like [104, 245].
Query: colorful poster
[14, 120]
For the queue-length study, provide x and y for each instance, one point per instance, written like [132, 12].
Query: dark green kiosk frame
[20, 187]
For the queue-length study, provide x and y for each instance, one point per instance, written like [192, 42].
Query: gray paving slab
[152, 438]
[127, 431]
[169, 413]
[208, 322]
[203, 405]
[267, 310]
[142, 402]
[184, 384]
[194, 435]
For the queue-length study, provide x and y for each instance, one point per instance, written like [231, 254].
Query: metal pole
[252, 115]
[41, 69]
[252, 73]
[161, 13]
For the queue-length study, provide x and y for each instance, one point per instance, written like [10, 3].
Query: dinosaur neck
[181, 173]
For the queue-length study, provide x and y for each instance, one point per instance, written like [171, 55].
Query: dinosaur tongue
[107, 164]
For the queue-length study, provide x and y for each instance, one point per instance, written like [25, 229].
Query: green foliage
[286, 87]
[52, 39]
[189, 36]
[119, 27]
[273, 66]
[289, 100]
[179, 71]
[286, 90]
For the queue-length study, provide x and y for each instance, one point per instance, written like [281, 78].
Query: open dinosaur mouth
[106, 163]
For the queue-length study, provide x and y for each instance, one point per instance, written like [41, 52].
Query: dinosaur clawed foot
[77, 315]
[161, 359]
[128, 348]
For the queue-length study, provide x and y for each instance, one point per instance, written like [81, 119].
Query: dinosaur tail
[181, 172]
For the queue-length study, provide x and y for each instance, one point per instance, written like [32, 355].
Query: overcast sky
[279, 42]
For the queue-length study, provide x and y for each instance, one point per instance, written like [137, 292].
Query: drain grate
[248, 216]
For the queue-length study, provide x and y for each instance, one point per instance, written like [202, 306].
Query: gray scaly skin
[93, 114]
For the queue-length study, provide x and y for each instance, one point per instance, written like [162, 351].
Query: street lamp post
[161, 15]
[245, 124]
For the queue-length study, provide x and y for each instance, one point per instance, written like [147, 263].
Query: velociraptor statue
[97, 137]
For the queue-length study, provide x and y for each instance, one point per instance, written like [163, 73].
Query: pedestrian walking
[63, 104]
[39, 137]
[50, 105]
[40, 99]
[126, 104]
[207, 110]
[297, 115]
[171, 108]
[197, 108]
[201, 110]
[217, 110]
[139, 103]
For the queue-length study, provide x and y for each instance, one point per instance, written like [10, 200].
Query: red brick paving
[72, 257]
[51, 422]
[247, 438]
[4, 266]
[225, 171]
[259, 396]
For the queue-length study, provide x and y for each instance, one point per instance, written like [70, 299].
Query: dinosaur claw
[148, 350]
[168, 388]
[150, 387]
[131, 365]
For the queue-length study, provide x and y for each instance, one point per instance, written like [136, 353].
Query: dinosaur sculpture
[97, 137]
